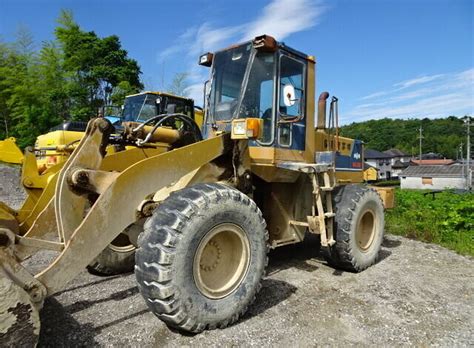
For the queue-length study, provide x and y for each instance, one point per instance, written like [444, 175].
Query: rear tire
[201, 257]
[117, 258]
[358, 228]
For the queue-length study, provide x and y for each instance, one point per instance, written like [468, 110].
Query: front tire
[201, 257]
[358, 228]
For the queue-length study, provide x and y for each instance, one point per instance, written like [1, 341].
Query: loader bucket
[19, 317]
[10, 152]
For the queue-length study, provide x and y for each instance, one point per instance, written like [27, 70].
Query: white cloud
[403, 85]
[280, 18]
[417, 81]
[196, 91]
[375, 95]
[428, 96]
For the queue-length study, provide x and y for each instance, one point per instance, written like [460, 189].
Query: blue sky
[382, 58]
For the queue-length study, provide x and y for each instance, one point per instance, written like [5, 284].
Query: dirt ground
[417, 294]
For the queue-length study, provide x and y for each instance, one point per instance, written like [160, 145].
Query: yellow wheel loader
[263, 176]
[55, 146]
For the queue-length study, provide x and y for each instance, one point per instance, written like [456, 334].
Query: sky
[381, 58]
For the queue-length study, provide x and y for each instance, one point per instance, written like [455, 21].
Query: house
[381, 161]
[399, 159]
[398, 156]
[398, 167]
[433, 177]
[370, 173]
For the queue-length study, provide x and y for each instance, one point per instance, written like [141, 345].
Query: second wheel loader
[262, 177]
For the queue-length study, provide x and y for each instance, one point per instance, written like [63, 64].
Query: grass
[448, 220]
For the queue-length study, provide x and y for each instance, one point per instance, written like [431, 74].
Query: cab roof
[165, 94]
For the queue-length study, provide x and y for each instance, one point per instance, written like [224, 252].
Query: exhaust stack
[322, 110]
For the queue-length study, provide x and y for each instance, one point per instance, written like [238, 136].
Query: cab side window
[291, 74]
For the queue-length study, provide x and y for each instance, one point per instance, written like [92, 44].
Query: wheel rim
[365, 233]
[221, 260]
[122, 244]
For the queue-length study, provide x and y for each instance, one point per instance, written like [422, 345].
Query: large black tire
[116, 258]
[201, 257]
[358, 228]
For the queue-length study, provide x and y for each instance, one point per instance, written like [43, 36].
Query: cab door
[291, 108]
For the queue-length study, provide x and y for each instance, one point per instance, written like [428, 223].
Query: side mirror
[289, 95]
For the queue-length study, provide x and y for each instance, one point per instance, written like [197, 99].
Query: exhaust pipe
[322, 110]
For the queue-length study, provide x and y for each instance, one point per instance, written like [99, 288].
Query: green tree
[441, 135]
[68, 78]
[95, 66]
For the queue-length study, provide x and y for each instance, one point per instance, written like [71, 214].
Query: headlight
[248, 128]
[239, 128]
[206, 59]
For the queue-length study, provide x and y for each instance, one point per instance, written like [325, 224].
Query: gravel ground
[417, 294]
[11, 192]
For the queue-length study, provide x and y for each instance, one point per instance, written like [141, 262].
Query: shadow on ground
[302, 256]
[59, 328]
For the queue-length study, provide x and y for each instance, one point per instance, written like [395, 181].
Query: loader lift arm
[85, 238]
[81, 235]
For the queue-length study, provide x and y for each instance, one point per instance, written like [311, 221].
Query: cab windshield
[142, 107]
[139, 107]
[242, 86]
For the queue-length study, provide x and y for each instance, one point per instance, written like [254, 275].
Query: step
[327, 188]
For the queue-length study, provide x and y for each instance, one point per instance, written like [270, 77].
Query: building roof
[370, 154]
[396, 153]
[367, 166]
[399, 164]
[445, 171]
[432, 162]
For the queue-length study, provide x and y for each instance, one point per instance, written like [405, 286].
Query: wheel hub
[221, 260]
[121, 244]
[365, 233]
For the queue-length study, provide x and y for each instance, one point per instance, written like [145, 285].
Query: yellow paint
[10, 152]
[370, 174]
[199, 118]
[48, 158]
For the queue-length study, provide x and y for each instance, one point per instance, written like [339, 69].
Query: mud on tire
[201, 257]
[358, 228]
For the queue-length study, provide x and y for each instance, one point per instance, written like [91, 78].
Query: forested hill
[443, 135]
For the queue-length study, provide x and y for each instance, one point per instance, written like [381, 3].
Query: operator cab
[143, 106]
[264, 80]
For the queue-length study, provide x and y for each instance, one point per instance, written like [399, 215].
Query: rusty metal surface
[322, 110]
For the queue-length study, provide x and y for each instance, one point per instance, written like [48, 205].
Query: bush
[447, 220]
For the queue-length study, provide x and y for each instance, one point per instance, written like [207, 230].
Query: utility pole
[467, 123]
[421, 139]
